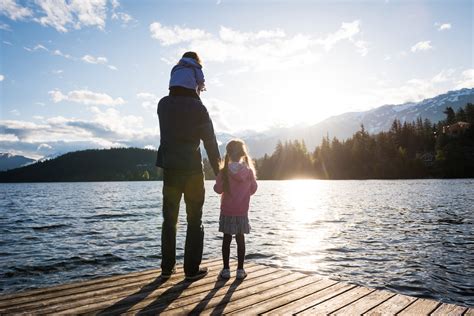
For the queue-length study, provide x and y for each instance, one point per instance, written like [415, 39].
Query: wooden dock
[266, 290]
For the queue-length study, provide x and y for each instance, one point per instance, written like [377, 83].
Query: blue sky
[88, 74]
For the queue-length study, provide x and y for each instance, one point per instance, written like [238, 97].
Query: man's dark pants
[191, 185]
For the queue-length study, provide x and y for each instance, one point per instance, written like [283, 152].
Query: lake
[414, 237]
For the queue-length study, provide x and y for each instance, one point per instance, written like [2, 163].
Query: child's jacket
[188, 74]
[242, 184]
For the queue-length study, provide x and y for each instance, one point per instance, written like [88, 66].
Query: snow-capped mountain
[375, 120]
[380, 119]
[9, 161]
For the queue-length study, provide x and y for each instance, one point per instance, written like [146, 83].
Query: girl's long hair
[236, 150]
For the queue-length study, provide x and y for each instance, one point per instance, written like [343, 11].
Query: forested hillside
[116, 164]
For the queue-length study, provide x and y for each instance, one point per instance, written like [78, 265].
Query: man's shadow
[131, 300]
[169, 296]
[165, 299]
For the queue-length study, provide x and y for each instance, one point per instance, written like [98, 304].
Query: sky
[84, 74]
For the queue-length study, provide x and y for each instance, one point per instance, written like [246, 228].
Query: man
[184, 122]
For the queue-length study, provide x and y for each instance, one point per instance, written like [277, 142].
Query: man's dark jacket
[184, 122]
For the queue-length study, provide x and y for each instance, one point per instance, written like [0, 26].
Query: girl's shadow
[128, 302]
[219, 307]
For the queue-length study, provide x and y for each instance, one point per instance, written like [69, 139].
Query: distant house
[456, 128]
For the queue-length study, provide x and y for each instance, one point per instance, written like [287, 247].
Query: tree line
[115, 164]
[416, 149]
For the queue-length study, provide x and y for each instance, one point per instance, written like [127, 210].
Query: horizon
[85, 76]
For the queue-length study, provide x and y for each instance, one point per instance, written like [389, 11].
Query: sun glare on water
[306, 200]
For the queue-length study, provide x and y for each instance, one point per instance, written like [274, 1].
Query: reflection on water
[415, 237]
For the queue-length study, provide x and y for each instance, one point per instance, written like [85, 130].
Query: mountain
[375, 120]
[9, 161]
[113, 164]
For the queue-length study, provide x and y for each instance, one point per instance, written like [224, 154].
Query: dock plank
[364, 304]
[449, 310]
[288, 297]
[311, 300]
[391, 306]
[338, 301]
[421, 306]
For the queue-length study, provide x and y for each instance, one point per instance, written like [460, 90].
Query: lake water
[414, 237]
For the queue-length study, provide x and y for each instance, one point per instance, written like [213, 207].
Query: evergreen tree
[450, 115]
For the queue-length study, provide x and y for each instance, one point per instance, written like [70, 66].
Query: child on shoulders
[187, 78]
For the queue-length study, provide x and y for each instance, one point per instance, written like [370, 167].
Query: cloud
[62, 15]
[57, 15]
[15, 112]
[36, 48]
[443, 76]
[89, 59]
[2, 77]
[107, 128]
[176, 34]
[221, 113]
[125, 18]
[444, 26]
[466, 80]
[43, 146]
[258, 50]
[362, 47]
[94, 60]
[216, 82]
[421, 46]
[347, 31]
[5, 27]
[57, 52]
[233, 36]
[417, 89]
[149, 100]
[122, 16]
[85, 97]
[14, 11]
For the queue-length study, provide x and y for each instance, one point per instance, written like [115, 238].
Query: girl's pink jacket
[242, 184]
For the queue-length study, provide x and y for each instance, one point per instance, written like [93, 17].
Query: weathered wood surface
[265, 291]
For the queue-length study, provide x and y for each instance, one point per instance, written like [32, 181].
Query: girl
[187, 78]
[236, 182]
